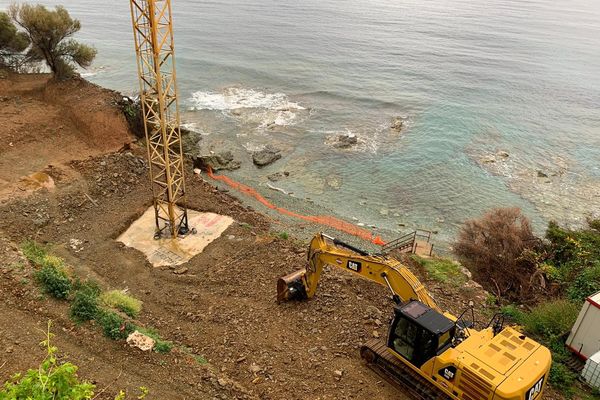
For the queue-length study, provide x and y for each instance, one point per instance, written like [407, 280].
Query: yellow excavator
[431, 354]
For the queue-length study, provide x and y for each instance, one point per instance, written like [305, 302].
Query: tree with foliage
[12, 42]
[50, 33]
[495, 249]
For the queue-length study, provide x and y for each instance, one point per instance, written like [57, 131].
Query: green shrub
[511, 311]
[54, 280]
[122, 302]
[561, 377]
[51, 381]
[113, 325]
[88, 285]
[551, 319]
[585, 284]
[85, 303]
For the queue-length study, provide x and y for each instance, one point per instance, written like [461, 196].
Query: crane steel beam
[154, 47]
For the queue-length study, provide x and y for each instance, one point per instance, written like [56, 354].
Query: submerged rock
[266, 156]
[397, 124]
[277, 176]
[216, 161]
[345, 141]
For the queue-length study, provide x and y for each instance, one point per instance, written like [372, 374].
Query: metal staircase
[411, 243]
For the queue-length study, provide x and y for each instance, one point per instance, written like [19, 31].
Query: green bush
[550, 319]
[122, 302]
[113, 325]
[54, 280]
[85, 303]
[511, 311]
[51, 381]
[561, 377]
[585, 284]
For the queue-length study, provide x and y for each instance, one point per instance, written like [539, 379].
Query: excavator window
[419, 333]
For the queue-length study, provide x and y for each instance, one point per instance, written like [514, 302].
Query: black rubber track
[398, 374]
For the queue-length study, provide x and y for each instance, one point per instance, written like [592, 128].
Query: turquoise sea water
[472, 78]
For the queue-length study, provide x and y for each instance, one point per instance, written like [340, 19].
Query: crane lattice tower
[154, 47]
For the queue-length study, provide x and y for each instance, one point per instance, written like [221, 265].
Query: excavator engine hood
[292, 286]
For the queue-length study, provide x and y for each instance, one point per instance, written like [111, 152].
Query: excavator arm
[325, 250]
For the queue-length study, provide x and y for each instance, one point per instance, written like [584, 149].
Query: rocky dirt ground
[221, 307]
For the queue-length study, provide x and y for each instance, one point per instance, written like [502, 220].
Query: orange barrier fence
[330, 221]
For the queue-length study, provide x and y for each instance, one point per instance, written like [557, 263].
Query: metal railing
[407, 241]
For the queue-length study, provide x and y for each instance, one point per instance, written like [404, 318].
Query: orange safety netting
[317, 219]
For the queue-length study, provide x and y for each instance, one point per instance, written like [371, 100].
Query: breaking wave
[234, 98]
[265, 110]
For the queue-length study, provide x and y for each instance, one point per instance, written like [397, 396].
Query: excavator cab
[419, 332]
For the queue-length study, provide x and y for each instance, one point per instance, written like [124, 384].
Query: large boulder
[216, 161]
[266, 156]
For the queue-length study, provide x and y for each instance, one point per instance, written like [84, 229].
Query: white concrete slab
[171, 252]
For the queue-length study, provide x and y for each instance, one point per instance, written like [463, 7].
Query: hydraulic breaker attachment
[292, 286]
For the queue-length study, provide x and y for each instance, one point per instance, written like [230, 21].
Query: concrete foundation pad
[171, 252]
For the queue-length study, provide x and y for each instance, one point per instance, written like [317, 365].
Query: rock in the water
[541, 174]
[216, 161]
[266, 156]
[488, 159]
[345, 141]
[397, 124]
[277, 176]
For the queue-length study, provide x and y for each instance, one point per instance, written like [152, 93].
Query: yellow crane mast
[154, 47]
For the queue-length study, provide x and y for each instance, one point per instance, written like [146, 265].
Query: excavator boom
[325, 250]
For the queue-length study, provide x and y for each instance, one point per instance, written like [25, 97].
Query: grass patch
[120, 301]
[200, 360]
[160, 345]
[550, 319]
[283, 235]
[34, 252]
[441, 269]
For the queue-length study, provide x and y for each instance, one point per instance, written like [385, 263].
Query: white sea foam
[193, 126]
[234, 98]
[266, 110]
